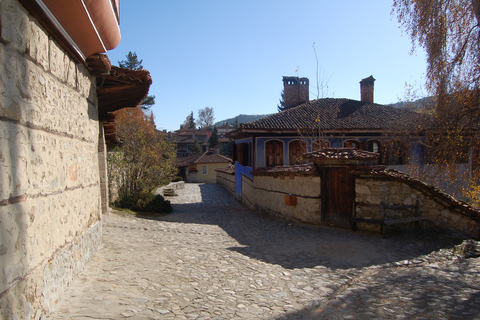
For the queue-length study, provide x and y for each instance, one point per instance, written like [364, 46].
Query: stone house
[201, 166]
[312, 152]
[184, 139]
[56, 91]
[305, 126]
[344, 187]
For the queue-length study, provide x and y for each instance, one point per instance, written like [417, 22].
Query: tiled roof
[301, 169]
[203, 157]
[342, 154]
[228, 169]
[122, 88]
[189, 135]
[335, 114]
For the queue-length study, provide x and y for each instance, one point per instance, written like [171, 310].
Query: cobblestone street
[214, 259]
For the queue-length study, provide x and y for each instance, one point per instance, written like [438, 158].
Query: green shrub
[177, 179]
[145, 202]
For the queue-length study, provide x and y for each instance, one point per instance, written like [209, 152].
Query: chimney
[295, 91]
[366, 89]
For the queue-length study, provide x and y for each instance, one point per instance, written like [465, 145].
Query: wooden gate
[338, 195]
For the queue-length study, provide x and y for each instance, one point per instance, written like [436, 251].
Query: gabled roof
[204, 157]
[332, 115]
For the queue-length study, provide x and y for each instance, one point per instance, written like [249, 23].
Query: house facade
[312, 162]
[185, 138]
[53, 179]
[201, 167]
[305, 126]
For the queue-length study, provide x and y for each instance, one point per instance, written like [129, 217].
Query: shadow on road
[409, 292]
[295, 245]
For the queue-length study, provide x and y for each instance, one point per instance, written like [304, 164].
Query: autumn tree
[449, 32]
[132, 62]
[205, 117]
[142, 161]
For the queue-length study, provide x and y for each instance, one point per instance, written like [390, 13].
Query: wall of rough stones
[439, 210]
[50, 185]
[226, 180]
[267, 193]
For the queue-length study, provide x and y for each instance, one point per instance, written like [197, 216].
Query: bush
[177, 179]
[145, 202]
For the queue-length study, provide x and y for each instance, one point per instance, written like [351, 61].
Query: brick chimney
[295, 91]
[366, 89]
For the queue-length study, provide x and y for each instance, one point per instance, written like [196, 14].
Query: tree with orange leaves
[449, 31]
[142, 161]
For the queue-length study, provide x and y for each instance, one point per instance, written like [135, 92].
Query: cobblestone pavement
[214, 259]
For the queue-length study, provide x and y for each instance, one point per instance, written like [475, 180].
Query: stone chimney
[295, 91]
[366, 89]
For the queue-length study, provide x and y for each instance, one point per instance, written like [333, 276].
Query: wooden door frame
[323, 186]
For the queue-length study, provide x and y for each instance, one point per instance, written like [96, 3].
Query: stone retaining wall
[50, 185]
[267, 193]
[439, 209]
[226, 180]
[172, 185]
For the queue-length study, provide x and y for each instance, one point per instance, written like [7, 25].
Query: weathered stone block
[362, 189]
[37, 45]
[14, 24]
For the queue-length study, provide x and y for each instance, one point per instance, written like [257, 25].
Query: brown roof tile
[335, 114]
[204, 157]
[342, 154]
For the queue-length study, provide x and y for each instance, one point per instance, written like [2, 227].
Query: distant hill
[415, 105]
[242, 118]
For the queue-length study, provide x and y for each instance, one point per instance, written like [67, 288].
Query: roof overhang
[242, 133]
[81, 27]
[117, 88]
[122, 88]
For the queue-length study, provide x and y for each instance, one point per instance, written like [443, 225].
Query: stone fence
[226, 178]
[294, 193]
[172, 185]
[396, 188]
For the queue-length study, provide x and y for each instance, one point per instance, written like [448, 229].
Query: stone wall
[266, 190]
[267, 193]
[226, 180]
[50, 177]
[440, 210]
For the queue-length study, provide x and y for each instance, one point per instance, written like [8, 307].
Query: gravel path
[214, 259]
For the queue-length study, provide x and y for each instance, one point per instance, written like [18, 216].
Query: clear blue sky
[230, 55]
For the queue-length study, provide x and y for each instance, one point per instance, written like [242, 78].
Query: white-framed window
[204, 170]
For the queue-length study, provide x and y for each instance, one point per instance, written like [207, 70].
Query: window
[373, 146]
[243, 154]
[296, 149]
[273, 153]
[204, 170]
